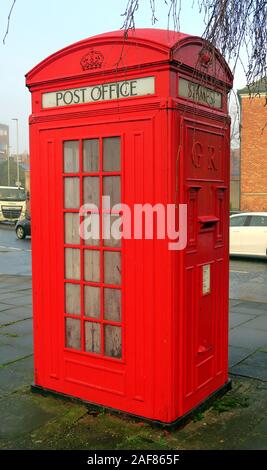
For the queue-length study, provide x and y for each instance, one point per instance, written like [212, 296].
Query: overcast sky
[40, 27]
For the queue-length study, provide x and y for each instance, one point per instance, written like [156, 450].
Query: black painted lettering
[133, 88]
[68, 97]
[83, 92]
[112, 89]
[96, 93]
[124, 89]
[189, 90]
[195, 93]
[212, 99]
[105, 88]
[59, 97]
[76, 97]
[118, 90]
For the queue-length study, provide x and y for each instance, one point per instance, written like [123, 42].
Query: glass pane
[112, 188]
[91, 155]
[258, 221]
[92, 265]
[72, 298]
[72, 222]
[111, 154]
[110, 228]
[71, 193]
[91, 230]
[113, 341]
[112, 267]
[91, 190]
[92, 337]
[238, 221]
[92, 301]
[71, 156]
[112, 304]
[73, 333]
[72, 263]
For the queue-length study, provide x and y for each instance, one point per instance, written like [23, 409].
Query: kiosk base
[181, 421]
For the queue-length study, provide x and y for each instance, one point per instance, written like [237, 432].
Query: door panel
[206, 260]
[255, 238]
[89, 352]
[238, 239]
[238, 233]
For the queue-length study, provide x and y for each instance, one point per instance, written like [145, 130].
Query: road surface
[248, 277]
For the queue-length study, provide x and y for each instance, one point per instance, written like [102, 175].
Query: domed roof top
[164, 37]
[114, 51]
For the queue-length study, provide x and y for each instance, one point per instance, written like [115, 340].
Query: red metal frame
[174, 336]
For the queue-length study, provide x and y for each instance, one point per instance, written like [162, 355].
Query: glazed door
[90, 337]
[93, 265]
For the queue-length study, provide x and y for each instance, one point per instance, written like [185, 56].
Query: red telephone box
[131, 324]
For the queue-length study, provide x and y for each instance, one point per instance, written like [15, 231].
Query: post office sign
[102, 92]
[199, 93]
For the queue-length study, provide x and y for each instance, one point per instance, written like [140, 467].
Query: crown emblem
[205, 58]
[92, 60]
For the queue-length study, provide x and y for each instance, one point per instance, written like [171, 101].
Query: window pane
[91, 190]
[71, 193]
[238, 221]
[258, 221]
[112, 188]
[72, 222]
[92, 301]
[91, 230]
[72, 298]
[91, 155]
[71, 156]
[112, 304]
[73, 333]
[113, 341]
[111, 154]
[72, 263]
[111, 226]
[112, 267]
[92, 337]
[92, 265]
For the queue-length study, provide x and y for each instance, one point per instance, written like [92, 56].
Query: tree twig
[8, 21]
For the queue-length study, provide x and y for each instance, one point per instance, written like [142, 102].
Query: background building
[253, 135]
[4, 141]
[235, 179]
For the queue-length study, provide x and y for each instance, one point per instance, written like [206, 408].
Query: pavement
[30, 421]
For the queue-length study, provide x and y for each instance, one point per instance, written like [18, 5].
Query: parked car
[23, 228]
[248, 234]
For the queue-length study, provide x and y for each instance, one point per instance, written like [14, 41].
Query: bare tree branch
[129, 14]
[235, 27]
[8, 21]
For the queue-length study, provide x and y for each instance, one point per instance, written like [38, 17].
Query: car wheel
[20, 232]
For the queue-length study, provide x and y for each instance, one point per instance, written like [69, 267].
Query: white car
[248, 234]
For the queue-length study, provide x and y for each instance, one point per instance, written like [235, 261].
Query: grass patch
[198, 417]
[10, 335]
[230, 402]
[143, 440]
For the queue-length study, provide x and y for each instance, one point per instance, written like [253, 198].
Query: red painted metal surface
[174, 322]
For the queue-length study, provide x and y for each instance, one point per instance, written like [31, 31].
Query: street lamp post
[8, 165]
[17, 132]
